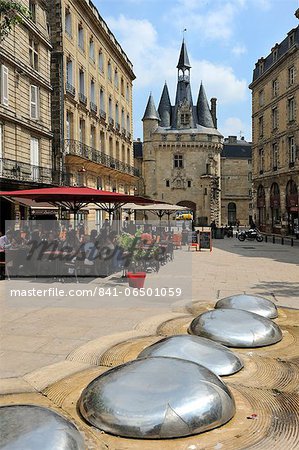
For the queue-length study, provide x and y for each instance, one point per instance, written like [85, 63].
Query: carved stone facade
[275, 120]
[181, 150]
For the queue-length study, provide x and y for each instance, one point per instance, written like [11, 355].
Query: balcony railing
[103, 115]
[93, 107]
[117, 126]
[91, 154]
[70, 89]
[111, 122]
[82, 98]
[16, 170]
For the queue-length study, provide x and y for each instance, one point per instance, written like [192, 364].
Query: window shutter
[4, 85]
[34, 102]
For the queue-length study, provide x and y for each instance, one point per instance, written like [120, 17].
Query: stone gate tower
[181, 149]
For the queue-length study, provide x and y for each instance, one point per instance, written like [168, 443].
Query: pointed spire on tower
[183, 59]
[164, 108]
[203, 110]
[150, 110]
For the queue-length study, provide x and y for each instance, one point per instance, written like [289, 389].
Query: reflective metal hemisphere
[236, 328]
[252, 303]
[30, 427]
[206, 352]
[156, 398]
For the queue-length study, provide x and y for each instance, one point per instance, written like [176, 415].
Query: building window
[81, 37]
[4, 85]
[274, 118]
[261, 160]
[69, 125]
[127, 92]
[101, 62]
[291, 75]
[123, 125]
[275, 55]
[250, 192]
[116, 82]
[34, 158]
[249, 177]
[110, 108]
[69, 72]
[34, 102]
[116, 114]
[91, 50]
[167, 183]
[32, 10]
[92, 91]
[291, 39]
[261, 126]
[81, 82]
[92, 141]
[122, 87]
[275, 156]
[128, 123]
[33, 53]
[292, 150]
[291, 109]
[274, 88]
[261, 98]
[82, 131]
[178, 161]
[102, 100]
[189, 183]
[261, 67]
[109, 70]
[68, 22]
[185, 119]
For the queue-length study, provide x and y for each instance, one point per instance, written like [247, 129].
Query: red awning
[75, 198]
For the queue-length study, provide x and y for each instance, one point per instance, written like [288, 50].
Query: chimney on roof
[214, 111]
[297, 13]
[242, 138]
[232, 139]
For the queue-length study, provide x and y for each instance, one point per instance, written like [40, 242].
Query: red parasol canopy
[75, 198]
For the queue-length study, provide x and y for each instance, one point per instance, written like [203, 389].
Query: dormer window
[291, 39]
[275, 55]
[185, 118]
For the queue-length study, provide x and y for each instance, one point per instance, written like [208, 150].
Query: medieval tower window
[178, 161]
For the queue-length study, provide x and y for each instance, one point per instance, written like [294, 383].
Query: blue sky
[225, 38]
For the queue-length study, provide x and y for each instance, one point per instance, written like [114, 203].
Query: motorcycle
[250, 235]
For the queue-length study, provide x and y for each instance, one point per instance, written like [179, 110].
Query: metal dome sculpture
[200, 350]
[156, 398]
[252, 303]
[236, 328]
[30, 427]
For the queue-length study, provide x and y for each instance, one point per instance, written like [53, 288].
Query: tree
[12, 13]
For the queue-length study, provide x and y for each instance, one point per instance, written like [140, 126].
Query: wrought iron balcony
[16, 170]
[129, 136]
[93, 107]
[103, 115]
[117, 126]
[72, 147]
[70, 89]
[82, 98]
[111, 122]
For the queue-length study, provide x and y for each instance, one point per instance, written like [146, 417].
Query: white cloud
[233, 126]
[153, 63]
[239, 49]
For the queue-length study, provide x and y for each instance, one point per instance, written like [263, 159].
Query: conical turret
[183, 59]
[150, 110]
[203, 111]
[164, 108]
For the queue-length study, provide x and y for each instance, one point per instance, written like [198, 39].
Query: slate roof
[150, 111]
[138, 149]
[241, 149]
[203, 110]
[164, 108]
[282, 49]
[184, 62]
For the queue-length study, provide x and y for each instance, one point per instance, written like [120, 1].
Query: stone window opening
[167, 183]
[178, 161]
[68, 21]
[275, 156]
[291, 109]
[291, 75]
[33, 53]
[80, 37]
[274, 88]
[292, 150]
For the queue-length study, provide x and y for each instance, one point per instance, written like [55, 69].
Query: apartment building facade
[92, 100]
[25, 107]
[275, 121]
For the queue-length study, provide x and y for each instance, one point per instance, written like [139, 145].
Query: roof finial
[183, 33]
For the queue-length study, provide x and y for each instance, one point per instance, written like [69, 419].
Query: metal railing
[93, 107]
[17, 170]
[73, 147]
[82, 98]
[70, 89]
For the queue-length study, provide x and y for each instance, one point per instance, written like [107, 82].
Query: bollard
[292, 242]
[282, 241]
[273, 239]
[266, 238]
